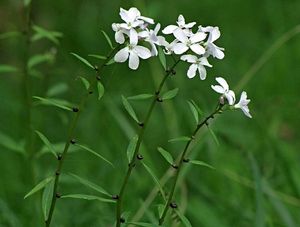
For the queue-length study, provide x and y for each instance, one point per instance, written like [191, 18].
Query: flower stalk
[183, 159]
[139, 141]
[71, 132]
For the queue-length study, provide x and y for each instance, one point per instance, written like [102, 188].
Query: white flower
[212, 49]
[180, 24]
[133, 51]
[243, 104]
[197, 63]
[188, 42]
[153, 39]
[119, 35]
[223, 89]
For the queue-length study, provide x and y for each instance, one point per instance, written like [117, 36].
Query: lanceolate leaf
[39, 186]
[54, 102]
[180, 139]
[200, 163]
[170, 94]
[197, 107]
[57, 89]
[183, 219]
[129, 109]
[90, 185]
[97, 56]
[194, 111]
[8, 69]
[213, 135]
[107, 39]
[94, 153]
[38, 59]
[47, 198]
[166, 155]
[142, 224]
[83, 60]
[100, 89]
[44, 33]
[7, 35]
[88, 197]
[162, 58]
[111, 61]
[46, 142]
[11, 144]
[85, 82]
[140, 97]
[131, 148]
[155, 180]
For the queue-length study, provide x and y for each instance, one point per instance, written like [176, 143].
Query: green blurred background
[256, 181]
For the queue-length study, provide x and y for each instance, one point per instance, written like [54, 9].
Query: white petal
[133, 13]
[198, 37]
[190, 25]
[198, 49]
[223, 83]
[189, 58]
[142, 52]
[179, 48]
[169, 29]
[133, 37]
[143, 34]
[124, 14]
[181, 20]
[219, 53]
[133, 60]
[157, 28]
[192, 71]
[246, 111]
[119, 37]
[204, 61]
[214, 34]
[147, 19]
[230, 96]
[154, 51]
[218, 88]
[202, 72]
[122, 55]
[180, 35]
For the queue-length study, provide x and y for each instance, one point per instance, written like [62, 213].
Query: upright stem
[181, 161]
[139, 141]
[70, 135]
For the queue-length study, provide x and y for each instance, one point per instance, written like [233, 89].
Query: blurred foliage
[256, 181]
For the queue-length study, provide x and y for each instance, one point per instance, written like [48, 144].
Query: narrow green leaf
[27, 2]
[155, 180]
[107, 39]
[83, 60]
[7, 35]
[8, 69]
[54, 102]
[38, 59]
[39, 186]
[97, 56]
[142, 224]
[88, 197]
[131, 148]
[200, 112]
[44, 33]
[46, 142]
[140, 97]
[110, 62]
[47, 198]
[170, 94]
[213, 135]
[166, 155]
[93, 152]
[162, 58]
[57, 147]
[90, 185]
[183, 219]
[129, 109]
[57, 89]
[180, 139]
[85, 82]
[160, 209]
[11, 144]
[194, 111]
[100, 89]
[200, 163]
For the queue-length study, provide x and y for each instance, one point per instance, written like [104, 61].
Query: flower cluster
[194, 48]
[229, 95]
[133, 30]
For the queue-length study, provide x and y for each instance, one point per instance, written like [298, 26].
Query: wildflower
[180, 25]
[223, 89]
[243, 104]
[197, 64]
[211, 48]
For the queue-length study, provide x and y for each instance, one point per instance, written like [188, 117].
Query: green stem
[70, 135]
[181, 161]
[140, 139]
